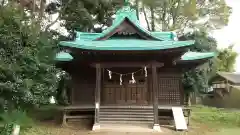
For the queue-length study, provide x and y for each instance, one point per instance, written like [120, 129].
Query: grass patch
[205, 121]
[215, 116]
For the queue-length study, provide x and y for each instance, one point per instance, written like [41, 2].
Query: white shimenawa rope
[132, 73]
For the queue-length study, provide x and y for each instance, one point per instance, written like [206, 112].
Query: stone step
[126, 122]
[125, 113]
[126, 107]
[125, 119]
[125, 116]
[126, 110]
[125, 127]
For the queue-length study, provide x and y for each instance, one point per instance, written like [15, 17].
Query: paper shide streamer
[145, 69]
[120, 79]
[133, 79]
[110, 74]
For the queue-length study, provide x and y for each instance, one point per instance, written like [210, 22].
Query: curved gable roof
[128, 14]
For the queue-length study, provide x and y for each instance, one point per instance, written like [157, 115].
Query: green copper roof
[166, 36]
[159, 40]
[197, 55]
[63, 56]
[87, 36]
[126, 44]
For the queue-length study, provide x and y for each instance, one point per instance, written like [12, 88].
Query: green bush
[6, 129]
[16, 117]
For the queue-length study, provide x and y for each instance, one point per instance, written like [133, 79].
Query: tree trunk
[164, 19]
[146, 19]
[189, 99]
[34, 9]
[137, 8]
[152, 18]
[42, 8]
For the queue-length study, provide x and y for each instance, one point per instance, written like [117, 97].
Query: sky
[229, 34]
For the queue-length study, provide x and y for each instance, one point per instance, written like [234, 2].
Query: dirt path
[76, 129]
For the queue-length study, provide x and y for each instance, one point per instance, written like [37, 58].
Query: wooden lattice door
[126, 94]
[169, 91]
[137, 92]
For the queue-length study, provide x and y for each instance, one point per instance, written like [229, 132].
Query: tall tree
[152, 18]
[179, 14]
[196, 80]
[27, 71]
[226, 59]
[83, 15]
[146, 17]
[149, 6]
[137, 7]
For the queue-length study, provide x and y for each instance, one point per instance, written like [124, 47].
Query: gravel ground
[79, 129]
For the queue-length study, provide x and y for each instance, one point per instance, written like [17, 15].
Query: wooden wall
[170, 88]
[83, 86]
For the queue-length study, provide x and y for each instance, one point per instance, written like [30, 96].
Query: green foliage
[82, 15]
[197, 79]
[6, 130]
[179, 14]
[226, 59]
[15, 117]
[27, 71]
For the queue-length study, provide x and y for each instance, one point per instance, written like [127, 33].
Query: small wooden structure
[126, 73]
[223, 82]
[226, 91]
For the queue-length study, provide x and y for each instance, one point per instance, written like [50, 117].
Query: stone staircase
[126, 115]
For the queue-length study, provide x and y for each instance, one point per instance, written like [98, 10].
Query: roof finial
[126, 2]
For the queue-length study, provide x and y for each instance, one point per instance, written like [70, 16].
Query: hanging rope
[129, 73]
[125, 74]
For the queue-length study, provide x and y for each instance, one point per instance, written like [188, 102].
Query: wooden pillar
[155, 97]
[96, 125]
